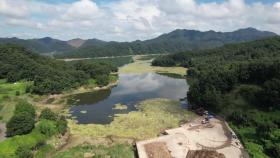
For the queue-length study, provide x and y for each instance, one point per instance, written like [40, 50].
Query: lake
[98, 107]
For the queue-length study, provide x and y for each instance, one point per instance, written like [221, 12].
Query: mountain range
[179, 40]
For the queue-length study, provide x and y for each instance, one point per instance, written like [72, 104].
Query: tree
[271, 93]
[264, 129]
[276, 150]
[62, 125]
[212, 99]
[24, 152]
[19, 124]
[102, 80]
[25, 107]
[47, 114]
[47, 127]
[239, 118]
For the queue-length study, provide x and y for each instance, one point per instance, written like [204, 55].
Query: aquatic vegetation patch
[120, 107]
[83, 111]
[160, 114]
[144, 66]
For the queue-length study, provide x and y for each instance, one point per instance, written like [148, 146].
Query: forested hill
[41, 45]
[173, 42]
[48, 75]
[268, 48]
[240, 82]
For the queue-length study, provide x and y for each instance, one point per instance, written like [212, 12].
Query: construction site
[199, 138]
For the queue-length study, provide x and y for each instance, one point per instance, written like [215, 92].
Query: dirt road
[2, 131]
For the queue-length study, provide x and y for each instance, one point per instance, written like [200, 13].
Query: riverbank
[58, 102]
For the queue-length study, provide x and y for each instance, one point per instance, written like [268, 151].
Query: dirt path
[2, 132]
[141, 55]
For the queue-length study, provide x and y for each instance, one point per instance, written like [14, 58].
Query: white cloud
[13, 9]
[81, 10]
[137, 19]
[277, 5]
[25, 23]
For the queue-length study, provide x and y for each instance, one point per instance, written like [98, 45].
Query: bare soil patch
[204, 154]
[157, 150]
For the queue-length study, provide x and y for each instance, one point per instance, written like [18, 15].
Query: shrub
[17, 93]
[47, 127]
[24, 152]
[62, 125]
[47, 114]
[25, 107]
[21, 123]
[28, 88]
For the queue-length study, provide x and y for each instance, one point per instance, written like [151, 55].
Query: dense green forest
[240, 82]
[114, 61]
[49, 75]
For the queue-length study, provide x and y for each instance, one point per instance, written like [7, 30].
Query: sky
[129, 20]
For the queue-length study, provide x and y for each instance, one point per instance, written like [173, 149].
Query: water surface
[97, 107]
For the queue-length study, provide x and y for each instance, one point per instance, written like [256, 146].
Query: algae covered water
[99, 107]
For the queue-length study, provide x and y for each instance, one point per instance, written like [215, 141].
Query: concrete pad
[196, 136]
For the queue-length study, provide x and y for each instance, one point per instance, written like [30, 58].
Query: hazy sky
[126, 20]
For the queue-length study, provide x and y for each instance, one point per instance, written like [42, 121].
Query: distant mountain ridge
[41, 45]
[76, 43]
[179, 40]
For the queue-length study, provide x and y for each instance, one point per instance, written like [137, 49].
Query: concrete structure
[214, 136]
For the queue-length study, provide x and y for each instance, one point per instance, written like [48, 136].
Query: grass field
[8, 92]
[160, 113]
[144, 66]
[11, 89]
[115, 151]
[9, 146]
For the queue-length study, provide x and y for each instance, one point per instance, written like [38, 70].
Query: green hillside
[240, 82]
[48, 75]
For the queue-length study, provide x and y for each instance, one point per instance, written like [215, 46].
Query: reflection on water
[131, 89]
